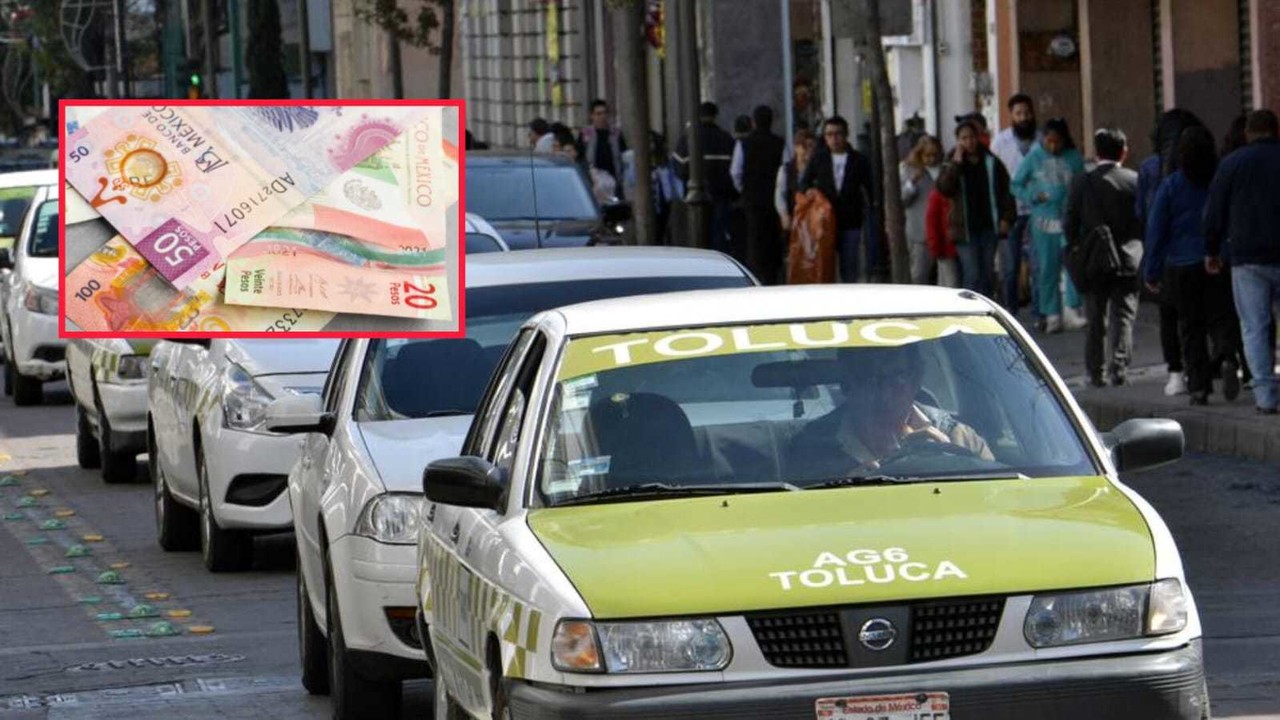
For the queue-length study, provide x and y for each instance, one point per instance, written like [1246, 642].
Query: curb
[1205, 431]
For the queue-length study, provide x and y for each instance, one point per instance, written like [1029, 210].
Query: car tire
[8, 376]
[87, 455]
[499, 700]
[177, 526]
[351, 694]
[117, 467]
[222, 550]
[313, 649]
[26, 390]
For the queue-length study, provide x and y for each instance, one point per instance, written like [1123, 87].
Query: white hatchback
[34, 354]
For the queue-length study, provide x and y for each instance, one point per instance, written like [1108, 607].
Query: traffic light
[194, 89]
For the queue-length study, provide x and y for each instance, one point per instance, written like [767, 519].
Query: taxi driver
[882, 411]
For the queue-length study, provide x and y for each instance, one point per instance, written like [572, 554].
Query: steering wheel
[924, 443]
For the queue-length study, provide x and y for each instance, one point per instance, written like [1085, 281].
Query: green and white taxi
[827, 502]
[108, 379]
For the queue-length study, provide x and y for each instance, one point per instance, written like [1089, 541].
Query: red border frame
[460, 142]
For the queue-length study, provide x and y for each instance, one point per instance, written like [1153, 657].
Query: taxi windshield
[801, 405]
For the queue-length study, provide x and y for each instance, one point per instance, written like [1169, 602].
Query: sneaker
[1053, 324]
[1119, 379]
[1177, 385]
[1096, 381]
[1073, 319]
[1230, 380]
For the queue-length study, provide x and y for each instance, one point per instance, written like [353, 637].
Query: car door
[192, 381]
[462, 532]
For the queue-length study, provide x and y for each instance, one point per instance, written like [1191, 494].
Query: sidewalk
[1220, 428]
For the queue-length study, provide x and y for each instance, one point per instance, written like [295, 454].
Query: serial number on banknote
[287, 321]
[245, 208]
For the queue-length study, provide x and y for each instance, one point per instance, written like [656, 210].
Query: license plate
[907, 706]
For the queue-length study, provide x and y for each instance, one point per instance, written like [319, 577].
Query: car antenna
[537, 224]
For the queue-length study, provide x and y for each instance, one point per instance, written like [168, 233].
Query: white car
[34, 354]
[389, 407]
[219, 473]
[482, 238]
[839, 501]
[108, 380]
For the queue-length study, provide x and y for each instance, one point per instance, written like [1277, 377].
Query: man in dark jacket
[717, 153]
[756, 159]
[1242, 207]
[1104, 197]
[601, 145]
[843, 175]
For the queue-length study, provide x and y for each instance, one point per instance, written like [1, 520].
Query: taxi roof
[696, 308]
[28, 178]
[550, 265]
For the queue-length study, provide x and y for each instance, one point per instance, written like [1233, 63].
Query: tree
[430, 17]
[633, 110]
[266, 52]
[882, 94]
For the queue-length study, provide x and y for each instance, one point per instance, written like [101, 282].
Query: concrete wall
[1057, 93]
[1206, 60]
[1119, 86]
[1266, 49]
[746, 39]
[955, 65]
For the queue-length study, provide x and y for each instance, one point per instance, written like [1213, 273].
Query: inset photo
[247, 218]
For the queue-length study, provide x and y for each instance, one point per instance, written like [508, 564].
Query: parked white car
[389, 407]
[219, 473]
[34, 354]
[108, 380]
[482, 238]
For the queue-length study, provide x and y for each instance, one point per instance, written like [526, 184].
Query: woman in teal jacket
[1042, 182]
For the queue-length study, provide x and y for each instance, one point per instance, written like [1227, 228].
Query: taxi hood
[734, 553]
[401, 449]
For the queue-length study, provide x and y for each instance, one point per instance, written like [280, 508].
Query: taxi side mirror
[464, 481]
[1146, 443]
[298, 414]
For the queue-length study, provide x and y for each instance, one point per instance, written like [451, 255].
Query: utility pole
[304, 47]
[210, 86]
[894, 231]
[237, 57]
[696, 198]
[633, 109]
[397, 74]
[122, 46]
[448, 9]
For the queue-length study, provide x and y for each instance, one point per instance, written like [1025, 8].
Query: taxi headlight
[1101, 615]
[640, 647]
[392, 519]
[244, 402]
[41, 300]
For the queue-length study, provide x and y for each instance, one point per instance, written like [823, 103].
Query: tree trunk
[447, 10]
[633, 110]
[882, 94]
[397, 69]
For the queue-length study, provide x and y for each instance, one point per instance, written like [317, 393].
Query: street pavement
[58, 659]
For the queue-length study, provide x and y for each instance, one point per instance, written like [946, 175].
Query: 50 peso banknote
[187, 185]
[117, 290]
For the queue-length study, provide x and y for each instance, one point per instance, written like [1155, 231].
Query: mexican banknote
[187, 185]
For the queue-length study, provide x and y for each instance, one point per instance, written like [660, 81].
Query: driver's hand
[928, 434]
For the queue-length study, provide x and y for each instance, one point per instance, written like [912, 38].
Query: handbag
[1095, 258]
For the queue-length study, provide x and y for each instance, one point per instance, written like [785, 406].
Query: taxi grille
[800, 640]
[821, 638]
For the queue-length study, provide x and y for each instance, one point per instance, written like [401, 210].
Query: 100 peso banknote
[187, 185]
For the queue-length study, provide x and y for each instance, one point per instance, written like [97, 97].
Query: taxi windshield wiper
[881, 479]
[662, 489]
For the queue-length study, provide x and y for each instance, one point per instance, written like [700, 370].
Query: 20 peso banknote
[187, 185]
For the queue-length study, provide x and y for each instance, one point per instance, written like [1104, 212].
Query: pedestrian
[665, 187]
[601, 145]
[1176, 244]
[980, 122]
[1243, 214]
[540, 137]
[843, 175]
[603, 186]
[754, 168]
[1234, 140]
[919, 172]
[982, 208]
[787, 183]
[941, 238]
[1100, 208]
[1156, 167]
[717, 153]
[1012, 145]
[1042, 182]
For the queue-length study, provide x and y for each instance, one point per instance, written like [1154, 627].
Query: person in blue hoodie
[1175, 252]
[1043, 182]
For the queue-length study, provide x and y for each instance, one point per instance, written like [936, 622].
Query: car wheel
[117, 467]
[313, 649]
[26, 390]
[353, 695]
[498, 688]
[177, 526]
[87, 455]
[222, 550]
[444, 707]
[8, 377]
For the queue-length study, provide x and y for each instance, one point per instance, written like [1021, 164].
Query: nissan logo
[877, 634]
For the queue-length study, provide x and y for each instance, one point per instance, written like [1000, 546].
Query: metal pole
[210, 86]
[696, 197]
[122, 42]
[304, 47]
[787, 97]
[237, 61]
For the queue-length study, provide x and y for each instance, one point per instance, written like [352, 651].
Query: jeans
[1257, 291]
[721, 219]
[921, 262]
[1011, 264]
[1204, 318]
[849, 246]
[977, 261]
[1111, 308]
[764, 249]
